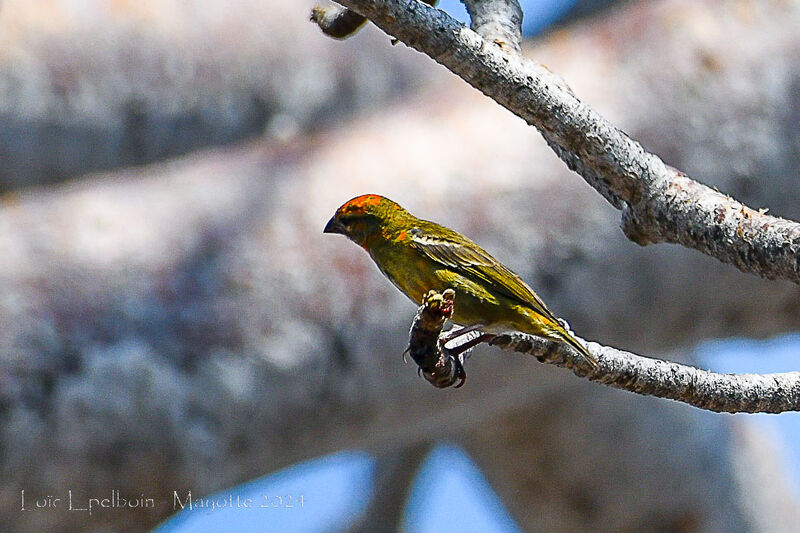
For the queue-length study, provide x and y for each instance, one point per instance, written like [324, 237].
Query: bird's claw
[441, 366]
[460, 374]
[457, 375]
[448, 295]
[448, 372]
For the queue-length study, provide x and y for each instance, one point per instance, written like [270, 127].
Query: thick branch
[395, 472]
[497, 21]
[659, 204]
[731, 393]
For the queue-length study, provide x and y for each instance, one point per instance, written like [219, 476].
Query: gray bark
[114, 85]
[729, 393]
[497, 21]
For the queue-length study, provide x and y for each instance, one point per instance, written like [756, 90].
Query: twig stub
[336, 21]
[436, 363]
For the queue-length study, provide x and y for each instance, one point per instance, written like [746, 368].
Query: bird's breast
[408, 270]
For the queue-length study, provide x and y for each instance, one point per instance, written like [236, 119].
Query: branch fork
[497, 21]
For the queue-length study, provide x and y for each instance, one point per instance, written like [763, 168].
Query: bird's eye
[351, 218]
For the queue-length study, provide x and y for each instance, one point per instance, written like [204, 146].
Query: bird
[418, 256]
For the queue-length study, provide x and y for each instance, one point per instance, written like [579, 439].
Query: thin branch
[658, 203]
[722, 393]
[729, 393]
[497, 21]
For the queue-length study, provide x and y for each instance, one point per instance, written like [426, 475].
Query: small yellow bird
[417, 256]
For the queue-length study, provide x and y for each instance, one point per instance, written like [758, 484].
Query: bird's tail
[562, 334]
[558, 330]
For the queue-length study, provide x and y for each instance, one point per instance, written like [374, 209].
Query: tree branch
[395, 471]
[730, 393]
[658, 203]
[497, 21]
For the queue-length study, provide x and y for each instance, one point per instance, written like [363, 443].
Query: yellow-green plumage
[418, 255]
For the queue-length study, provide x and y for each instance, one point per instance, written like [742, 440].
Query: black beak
[334, 226]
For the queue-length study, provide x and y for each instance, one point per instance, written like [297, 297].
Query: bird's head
[366, 217]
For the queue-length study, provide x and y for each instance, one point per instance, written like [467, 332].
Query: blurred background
[174, 324]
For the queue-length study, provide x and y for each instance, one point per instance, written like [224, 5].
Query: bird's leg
[461, 348]
[456, 355]
[456, 333]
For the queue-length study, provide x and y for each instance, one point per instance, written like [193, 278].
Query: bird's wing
[458, 253]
